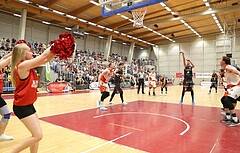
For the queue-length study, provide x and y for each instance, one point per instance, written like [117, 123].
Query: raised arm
[191, 63]
[6, 56]
[4, 62]
[45, 57]
[184, 60]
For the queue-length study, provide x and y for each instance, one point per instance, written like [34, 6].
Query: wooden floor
[61, 140]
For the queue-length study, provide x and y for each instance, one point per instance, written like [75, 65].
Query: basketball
[175, 14]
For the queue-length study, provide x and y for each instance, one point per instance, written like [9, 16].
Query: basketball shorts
[103, 87]
[152, 84]
[233, 92]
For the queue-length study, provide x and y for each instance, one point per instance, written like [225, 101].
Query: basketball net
[138, 16]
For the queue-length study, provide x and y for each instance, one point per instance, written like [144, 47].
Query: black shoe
[233, 123]
[225, 119]
[149, 94]
[143, 93]
[154, 94]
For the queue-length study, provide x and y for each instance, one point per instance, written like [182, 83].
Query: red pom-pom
[23, 41]
[64, 46]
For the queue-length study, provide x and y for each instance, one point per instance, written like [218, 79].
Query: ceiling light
[207, 4]
[182, 21]
[109, 29]
[68, 28]
[167, 8]
[17, 15]
[82, 20]
[70, 16]
[58, 12]
[43, 7]
[92, 23]
[101, 26]
[95, 3]
[164, 5]
[25, 1]
[187, 25]
[44, 22]
[100, 37]
[123, 16]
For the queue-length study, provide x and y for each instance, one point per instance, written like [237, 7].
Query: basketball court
[72, 122]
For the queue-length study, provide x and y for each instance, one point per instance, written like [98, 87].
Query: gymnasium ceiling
[159, 22]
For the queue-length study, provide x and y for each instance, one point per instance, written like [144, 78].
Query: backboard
[113, 7]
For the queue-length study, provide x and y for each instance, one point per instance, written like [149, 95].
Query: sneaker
[193, 102]
[225, 119]
[154, 94]
[233, 123]
[102, 108]
[124, 103]
[223, 113]
[4, 137]
[209, 92]
[111, 103]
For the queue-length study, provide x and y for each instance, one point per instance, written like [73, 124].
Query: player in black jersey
[214, 82]
[118, 78]
[163, 83]
[188, 75]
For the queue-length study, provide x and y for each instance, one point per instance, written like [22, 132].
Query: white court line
[106, 143]
[214, 146]
[145, 113]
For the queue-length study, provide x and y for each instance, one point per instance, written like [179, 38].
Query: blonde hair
[18, 55]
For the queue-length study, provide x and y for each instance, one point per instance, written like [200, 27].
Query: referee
[141, 80]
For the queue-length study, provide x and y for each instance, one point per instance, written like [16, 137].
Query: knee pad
[227, 102]
[6, 117]
[230, 102]
[223, 101]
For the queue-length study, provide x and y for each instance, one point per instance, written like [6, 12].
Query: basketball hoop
[138, 16]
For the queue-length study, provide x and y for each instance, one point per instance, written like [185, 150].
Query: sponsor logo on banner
[206, 83]
[203, 75]
[179, 75]
[94, 86]
[56, 87]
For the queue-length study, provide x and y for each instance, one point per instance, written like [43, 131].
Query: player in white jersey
[152, 82]
[232, 76]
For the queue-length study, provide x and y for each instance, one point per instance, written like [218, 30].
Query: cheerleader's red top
[1, 81]
[26, 89]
